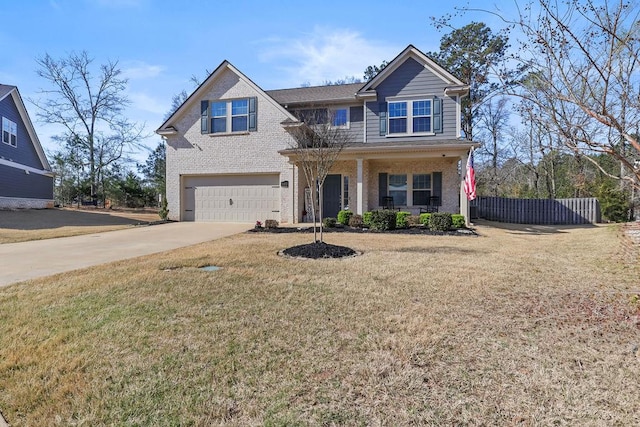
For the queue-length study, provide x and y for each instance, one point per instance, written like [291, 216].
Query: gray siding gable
[411, 79]
[25, 153]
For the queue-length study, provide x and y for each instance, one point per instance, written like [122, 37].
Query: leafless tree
[492, 123]
[90, 108]
[317, 143]
[580, 60]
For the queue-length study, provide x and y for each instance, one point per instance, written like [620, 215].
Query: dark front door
[331, 193]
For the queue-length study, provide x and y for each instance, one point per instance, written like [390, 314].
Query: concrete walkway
[39, 258]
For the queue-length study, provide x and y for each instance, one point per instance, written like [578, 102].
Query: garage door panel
[242, 198]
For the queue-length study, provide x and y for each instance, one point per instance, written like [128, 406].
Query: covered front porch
[415, 178]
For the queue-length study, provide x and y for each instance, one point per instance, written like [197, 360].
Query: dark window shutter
[382, 111]
[437, 115]
[382, 187]
[253, 117]
[437, 187]
[204, 116]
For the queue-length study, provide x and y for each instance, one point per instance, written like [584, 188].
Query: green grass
[517, 326]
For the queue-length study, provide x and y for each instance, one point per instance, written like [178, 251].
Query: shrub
[383, 220]
[366, 218]
[424, 219]
[329, 222]
[402, 219]
[614, 203]
[164, 212]
[440, 221]
[355, 221]
[271, 223]
[458, 221]
[343, 217]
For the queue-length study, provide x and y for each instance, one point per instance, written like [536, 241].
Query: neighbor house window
[9, 132]
[407, 117]
[398, 189]
[340, 117]
[421, 189]
[228, 116]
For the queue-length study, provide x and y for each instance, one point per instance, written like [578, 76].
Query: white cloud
[324, 54]
[144, 102]
[140, 70]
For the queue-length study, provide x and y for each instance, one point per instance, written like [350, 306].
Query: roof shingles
[316, 94]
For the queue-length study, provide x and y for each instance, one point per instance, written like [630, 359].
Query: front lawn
[36, 224]
[514, 327]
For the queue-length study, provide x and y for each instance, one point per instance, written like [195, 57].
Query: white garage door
[231, 198]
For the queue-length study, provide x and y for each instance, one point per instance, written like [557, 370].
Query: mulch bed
[319, 250]
[410, 230]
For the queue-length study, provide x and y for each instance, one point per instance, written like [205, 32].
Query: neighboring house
[26, 179]
[229, 154]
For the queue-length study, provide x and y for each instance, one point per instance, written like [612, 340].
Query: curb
[3, 423]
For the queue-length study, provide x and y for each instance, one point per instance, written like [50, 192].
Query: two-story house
[26, 179]
[230, 156]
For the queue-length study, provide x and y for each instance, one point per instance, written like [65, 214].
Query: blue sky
[160, 44]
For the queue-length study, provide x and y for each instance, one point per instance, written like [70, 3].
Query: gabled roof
[5, 91]
[316, 94]
[168, 128]
[453, 83]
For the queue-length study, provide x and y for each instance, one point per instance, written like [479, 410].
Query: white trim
[359, 187]
[25, 168]
[458, 116]
[364, 121]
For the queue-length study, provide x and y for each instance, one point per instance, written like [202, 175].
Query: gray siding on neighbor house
[16, 182]
[412, 79]
[356, 125]
[24, 153]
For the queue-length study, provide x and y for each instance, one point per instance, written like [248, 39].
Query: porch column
[464, 203]
[360, 187]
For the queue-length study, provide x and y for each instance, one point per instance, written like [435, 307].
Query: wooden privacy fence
[538, 211]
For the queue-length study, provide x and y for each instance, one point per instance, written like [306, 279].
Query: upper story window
[411, 117]
[397, 117]
[340, 117]
[9, 132]
[228, 116]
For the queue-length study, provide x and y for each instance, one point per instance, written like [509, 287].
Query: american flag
[470, 178]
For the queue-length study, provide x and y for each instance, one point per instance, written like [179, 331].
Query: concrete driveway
[39, 258]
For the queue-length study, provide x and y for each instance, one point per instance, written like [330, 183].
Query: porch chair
[387, 203]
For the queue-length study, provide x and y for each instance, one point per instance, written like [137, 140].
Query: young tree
[90, 108]
[317, 143]
[472, 53]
